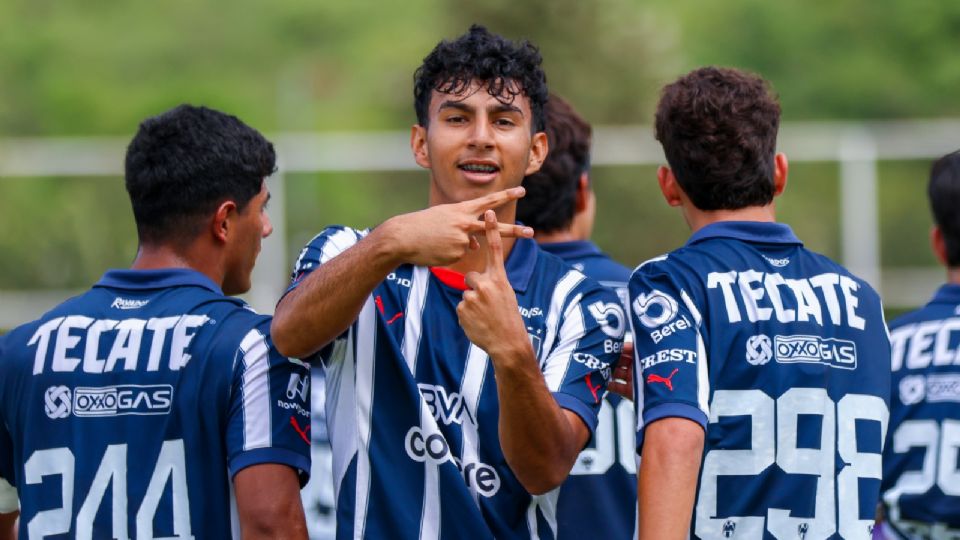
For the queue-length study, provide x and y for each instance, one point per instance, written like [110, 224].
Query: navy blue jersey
[783, 357]
[921, 463]
[412, 406]
[318, 502]
[131, 407]
[603, 482]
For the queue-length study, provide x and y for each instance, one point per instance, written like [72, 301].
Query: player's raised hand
[621, 383]
[441, 235]
[488, 312]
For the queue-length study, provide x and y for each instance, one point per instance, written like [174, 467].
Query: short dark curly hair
[550, 202]
[506, 68]
[944, 194]
[187, 161]
[718, 128]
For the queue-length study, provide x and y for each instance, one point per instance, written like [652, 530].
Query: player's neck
[475, 260]
[698, 219]
[553, 237]
[953, 275]
[165, 256]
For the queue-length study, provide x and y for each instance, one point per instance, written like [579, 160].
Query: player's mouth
[480, 172]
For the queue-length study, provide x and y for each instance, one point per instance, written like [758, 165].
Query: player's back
[921, 471]
[129, 408]
[794, 390]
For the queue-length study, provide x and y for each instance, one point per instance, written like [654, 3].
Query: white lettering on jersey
[446, 407]
[124, 337]
[919, 345]
[762, 296]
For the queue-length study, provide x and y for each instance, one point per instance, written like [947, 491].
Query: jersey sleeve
[587, 344]
[269, 414]
[331, 242]
[670, 359]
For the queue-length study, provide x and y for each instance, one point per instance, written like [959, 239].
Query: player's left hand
[488, 312]
[621, 382]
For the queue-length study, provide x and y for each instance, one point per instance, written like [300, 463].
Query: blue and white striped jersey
[412, 405]
[784, 359]
[921, 462]
[603, 482]
[131, 407]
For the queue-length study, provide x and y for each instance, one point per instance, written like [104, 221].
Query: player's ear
[669, 186]
[538, 152]
[222, 224]
[780, 168]
[938, 244]
[583, 192]
[418, 144]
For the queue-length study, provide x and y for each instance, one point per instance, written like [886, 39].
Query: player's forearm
[330, 298]
[268, 503]
[667, 480]
[539, 440]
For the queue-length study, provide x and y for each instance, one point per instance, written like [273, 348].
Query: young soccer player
[461, 383]
[153, 405]
[560, 206]
[762, 369]
[921, 462]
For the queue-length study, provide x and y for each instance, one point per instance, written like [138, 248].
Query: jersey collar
[156, 279]
[748, 231]
[948, 293]
[577, 249]
[519, 266]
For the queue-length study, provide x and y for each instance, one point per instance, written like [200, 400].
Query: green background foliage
[99, 67]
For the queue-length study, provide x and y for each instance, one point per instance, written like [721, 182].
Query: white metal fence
[856, 146]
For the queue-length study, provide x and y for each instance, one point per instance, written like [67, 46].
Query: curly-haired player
[762, 369]
[461, 383]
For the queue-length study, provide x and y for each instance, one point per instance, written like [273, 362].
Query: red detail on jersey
[653, 377]
[593, 389]
[395, 317]
[449, 277]
[379, 301]
[302, 432]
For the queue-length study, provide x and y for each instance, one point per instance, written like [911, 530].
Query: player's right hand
[442, 234]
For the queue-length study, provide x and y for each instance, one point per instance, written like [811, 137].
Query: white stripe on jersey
[337, 243]
[648, 261]
[255, 389]
[430, 511]
[366, 361]
[570, 333]
[565, 285]
[413, 322]
[341, 406]
[703, 375]
[474, 375]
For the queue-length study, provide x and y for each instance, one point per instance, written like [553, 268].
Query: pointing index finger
[494, 242]
[493, 200]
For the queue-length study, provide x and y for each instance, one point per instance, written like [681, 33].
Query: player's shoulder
[558, 271]
[822, 264]
[337, 235]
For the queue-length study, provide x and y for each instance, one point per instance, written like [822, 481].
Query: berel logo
[57, 402]
[449, 408]
[610, 317]
[432, 447]
[655, 309]
[122, 400]
[128, 303]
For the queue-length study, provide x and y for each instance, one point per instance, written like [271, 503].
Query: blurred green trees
[98, 67]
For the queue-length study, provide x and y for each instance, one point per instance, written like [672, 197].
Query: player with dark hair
[921, 462]
[762, 369]
[560, 205]
[461, 383]
[153, 405]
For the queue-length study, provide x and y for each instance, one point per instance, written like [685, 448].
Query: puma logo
[654, 378]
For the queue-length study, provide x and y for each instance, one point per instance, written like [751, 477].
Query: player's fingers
[507, 230]
[621, 388]
[471, 280]
[493, 200]
[494, 242]
[474, 243]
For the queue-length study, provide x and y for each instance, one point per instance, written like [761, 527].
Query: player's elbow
[544, 483]
[284, 336]
[273, 517]
[674, 439]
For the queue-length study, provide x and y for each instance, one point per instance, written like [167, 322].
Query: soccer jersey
[783, 357]
[412, 408]
[921, 463]
[318, 502]
[603, 482]
[132, 406]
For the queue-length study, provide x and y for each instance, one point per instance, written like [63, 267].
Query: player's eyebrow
[498, 108]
